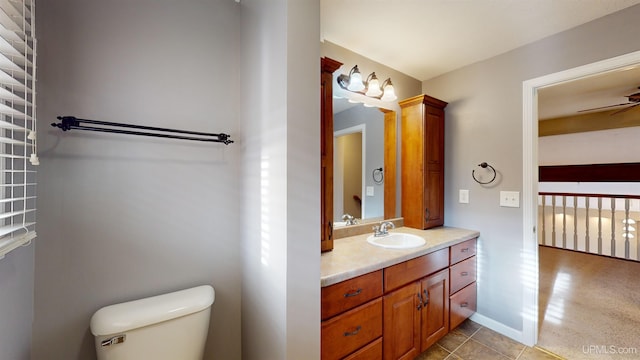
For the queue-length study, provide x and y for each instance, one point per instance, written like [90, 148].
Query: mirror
[358, 155]
[364, 162]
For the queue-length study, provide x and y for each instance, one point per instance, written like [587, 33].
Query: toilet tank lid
[138, 313]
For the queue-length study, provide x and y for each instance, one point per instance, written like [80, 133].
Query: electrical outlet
[510, 199]
[463, 197]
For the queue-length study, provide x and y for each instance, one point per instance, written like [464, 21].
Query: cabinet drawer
[408, 271]
[372, 351]
[350, 293]
[463, 304]
[343, 334]
[463, 250]
[462, 274]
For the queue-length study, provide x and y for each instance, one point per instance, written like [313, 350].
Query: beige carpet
[589, 305]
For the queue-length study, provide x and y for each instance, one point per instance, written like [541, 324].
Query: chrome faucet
[383, 228]
[349, 219]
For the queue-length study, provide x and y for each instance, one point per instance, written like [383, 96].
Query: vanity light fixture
[371, 87]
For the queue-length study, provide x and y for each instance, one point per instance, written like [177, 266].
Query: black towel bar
[71, 122]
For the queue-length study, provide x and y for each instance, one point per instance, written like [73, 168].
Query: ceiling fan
[633, 101]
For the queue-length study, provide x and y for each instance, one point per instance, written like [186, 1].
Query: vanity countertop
[354, 256]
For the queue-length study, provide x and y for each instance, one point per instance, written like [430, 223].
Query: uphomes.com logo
[609, 350]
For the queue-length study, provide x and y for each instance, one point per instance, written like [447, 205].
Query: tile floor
[471, 341]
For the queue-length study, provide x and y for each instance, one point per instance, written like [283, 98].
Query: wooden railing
[601, 224]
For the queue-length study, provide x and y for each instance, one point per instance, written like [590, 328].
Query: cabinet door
[435, 312]
[327, 67]
[434, 174]
[401, 323]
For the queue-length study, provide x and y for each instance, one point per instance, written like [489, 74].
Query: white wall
[484, 123]
[594, 147]
[16, 303]
[280, 228]
[123, 217]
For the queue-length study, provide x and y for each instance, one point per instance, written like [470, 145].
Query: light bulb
[389, 91]
[373, 86]
[355, 80]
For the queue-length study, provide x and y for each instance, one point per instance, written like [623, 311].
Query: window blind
[18, 153]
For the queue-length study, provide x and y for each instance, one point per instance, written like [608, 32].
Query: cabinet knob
[464, 304]
[464, 273]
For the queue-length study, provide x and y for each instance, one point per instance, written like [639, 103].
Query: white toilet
[164, 327]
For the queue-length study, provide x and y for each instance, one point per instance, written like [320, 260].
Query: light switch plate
[369, 190]
[463, 197]
[510, 199]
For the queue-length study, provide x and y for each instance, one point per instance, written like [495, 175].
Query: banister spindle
[600, 225]
[613, 227]
[625, 228]
[575, 223]
[553, 220]
[564, 222]
[586, 234]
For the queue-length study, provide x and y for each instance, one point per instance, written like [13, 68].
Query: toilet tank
[164, 327]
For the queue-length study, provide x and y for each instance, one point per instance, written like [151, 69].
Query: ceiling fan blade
[605, 107]
[623, 110]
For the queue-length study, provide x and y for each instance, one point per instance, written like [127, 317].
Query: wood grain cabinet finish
[400, 311]
[422, 149]
[350, 331]
[350, 293]
[327, 68]
[463, 292]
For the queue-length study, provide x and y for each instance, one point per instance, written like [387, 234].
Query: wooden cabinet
[417, 314]
[327, 68]
[400, 311]
[352, 318]
[463, 292]
[422, 149]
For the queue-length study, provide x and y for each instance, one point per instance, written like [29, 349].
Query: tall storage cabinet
[327, 68]
[422, 149]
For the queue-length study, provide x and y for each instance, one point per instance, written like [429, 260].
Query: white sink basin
[396, 241]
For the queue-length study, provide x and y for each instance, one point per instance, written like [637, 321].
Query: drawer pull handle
[419, 307]
[353, 293]
[426, 297]
[354, 332]
[464, 273]
[464, 250]
[464, 304]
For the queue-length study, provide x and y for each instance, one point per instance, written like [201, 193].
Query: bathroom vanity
[380, 303]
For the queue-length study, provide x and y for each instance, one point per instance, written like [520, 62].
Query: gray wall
[484, 123]
[16, 303]
[280, 116]
[123, 217]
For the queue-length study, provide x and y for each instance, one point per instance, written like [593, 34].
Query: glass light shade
[373, 86]
[629, 228]
[355, 80]
[389, 92]
[628, 235]
[628, 221]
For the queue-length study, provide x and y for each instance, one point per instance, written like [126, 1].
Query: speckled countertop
[354, 256]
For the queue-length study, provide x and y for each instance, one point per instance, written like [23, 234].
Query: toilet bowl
[164, 327]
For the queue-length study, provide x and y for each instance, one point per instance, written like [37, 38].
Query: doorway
[530, 174]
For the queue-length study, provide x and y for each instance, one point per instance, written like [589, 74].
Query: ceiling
[427, 38]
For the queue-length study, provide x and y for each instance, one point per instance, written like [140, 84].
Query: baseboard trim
[507, 331]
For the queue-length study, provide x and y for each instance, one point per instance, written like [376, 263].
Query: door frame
[530, 177]
[362, 129]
